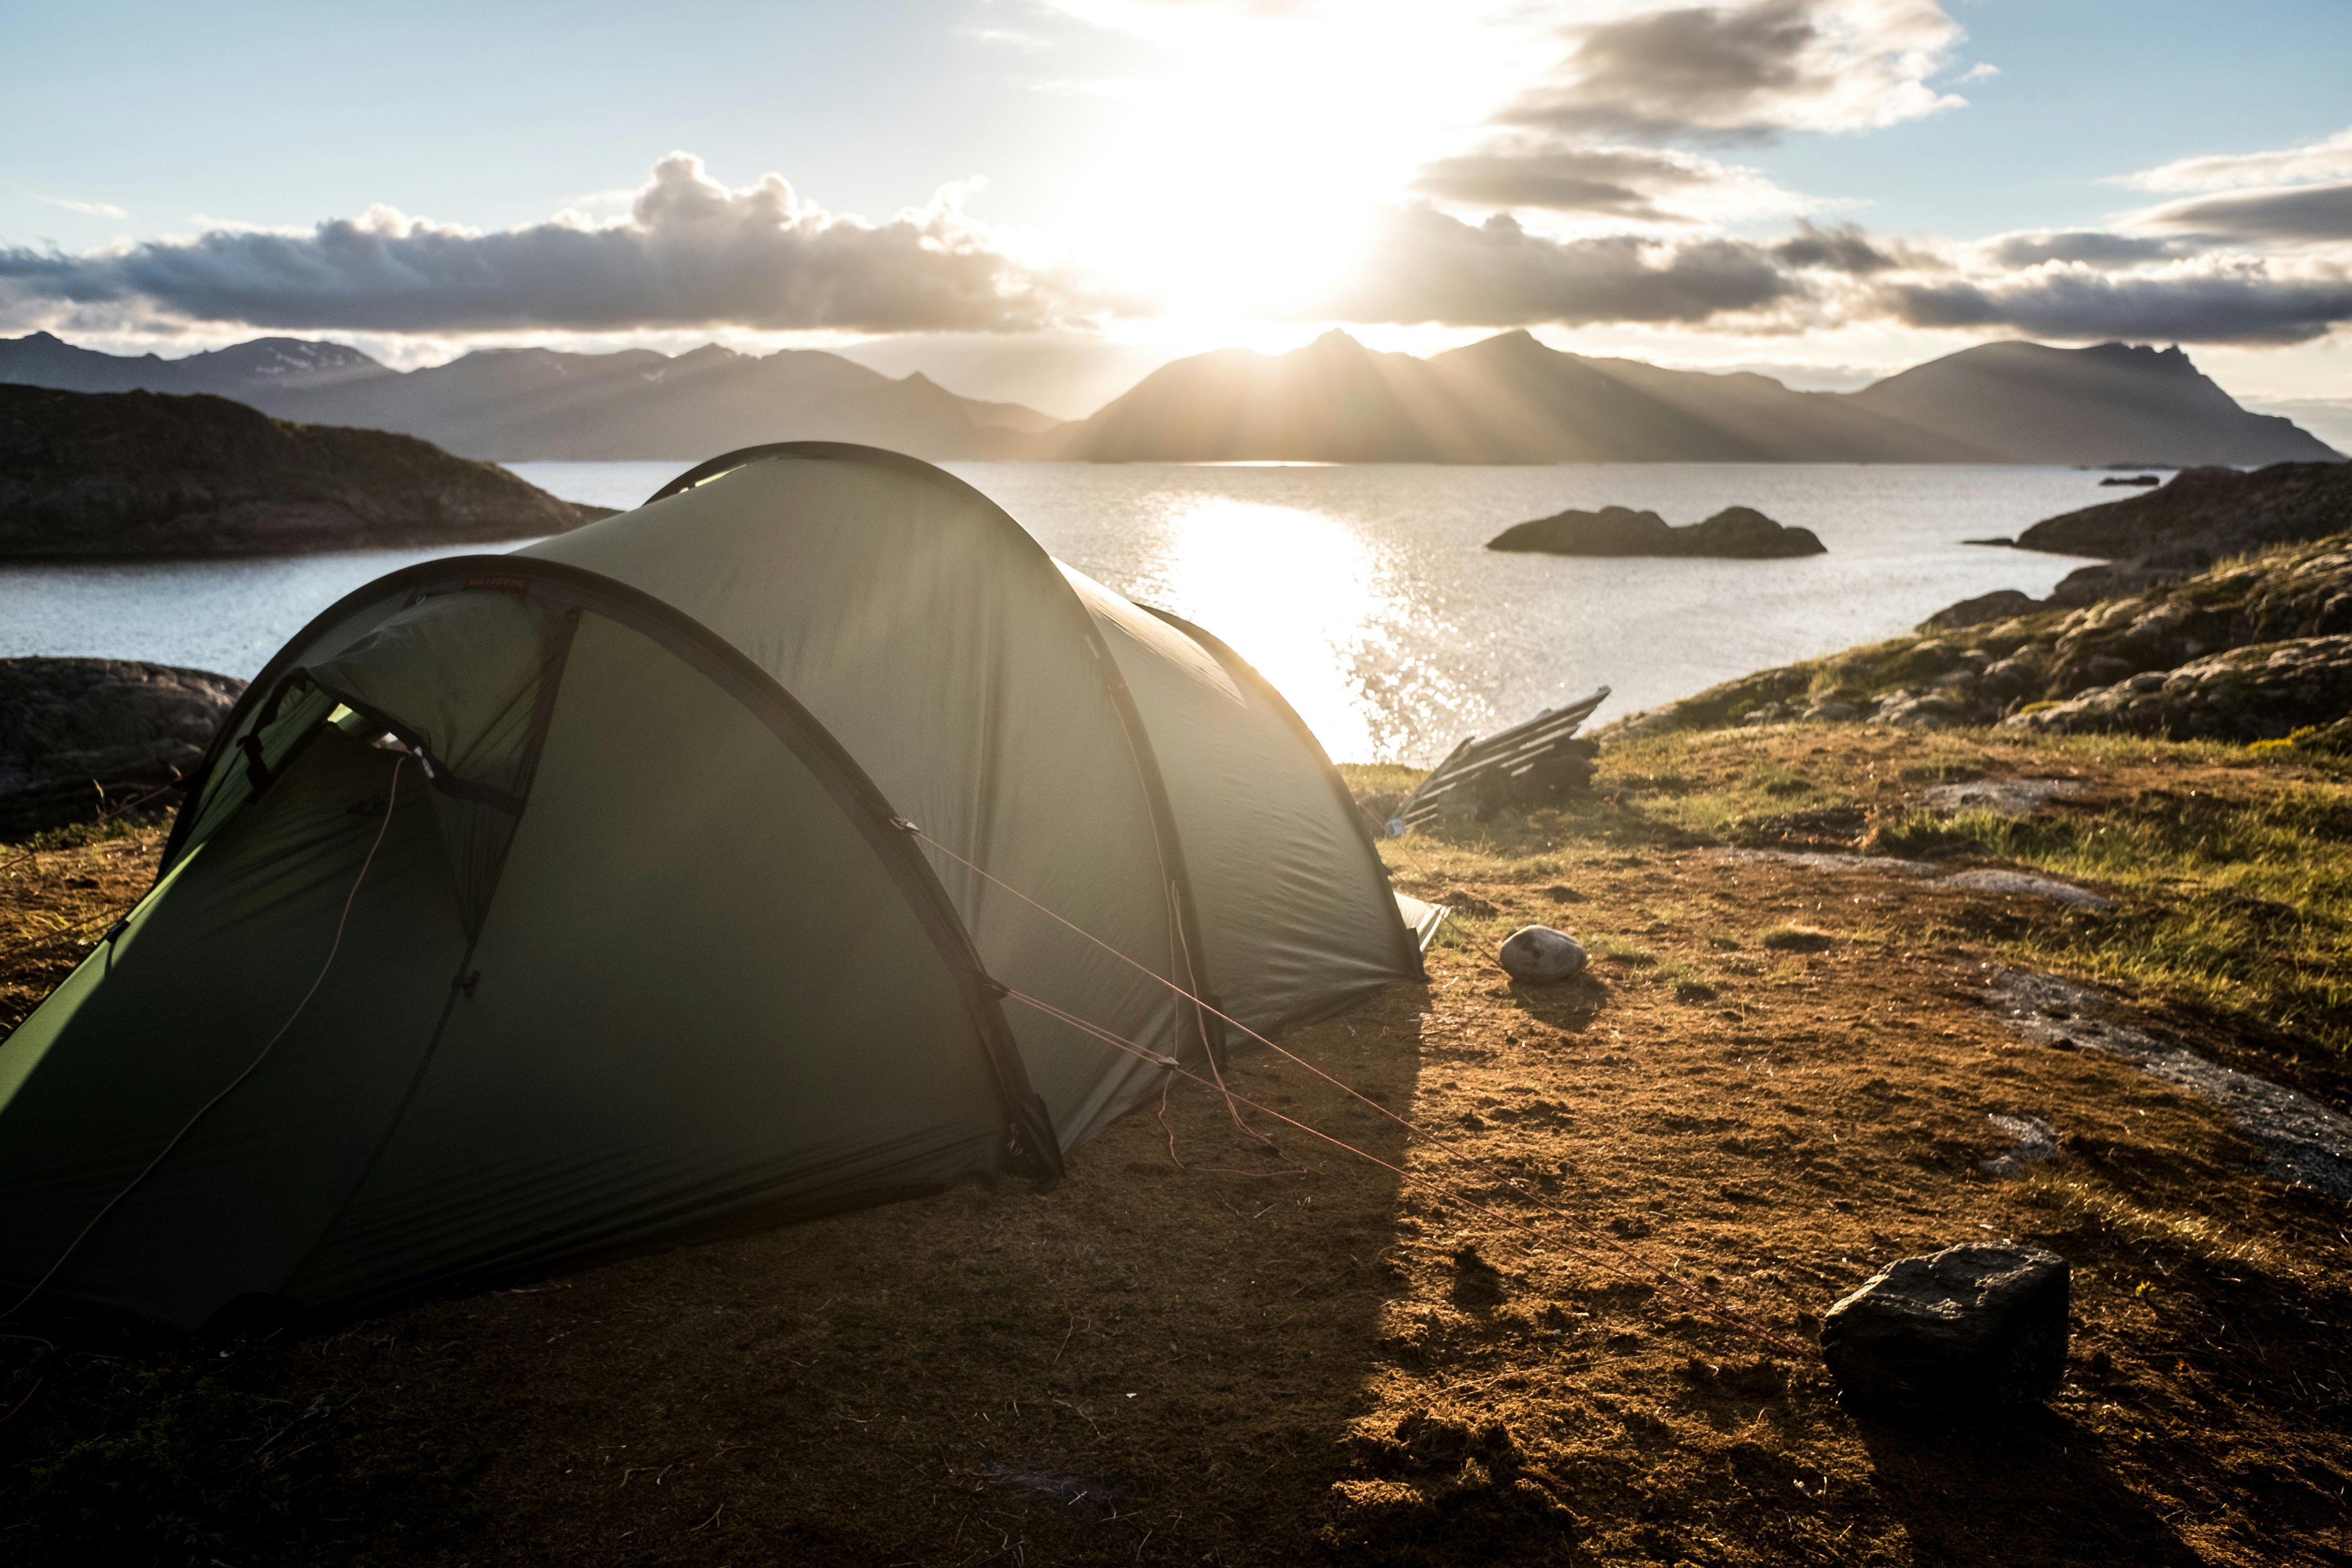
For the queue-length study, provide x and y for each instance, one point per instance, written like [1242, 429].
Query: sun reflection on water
[1302, 596]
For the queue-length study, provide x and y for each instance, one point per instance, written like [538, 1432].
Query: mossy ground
[1774, 1078]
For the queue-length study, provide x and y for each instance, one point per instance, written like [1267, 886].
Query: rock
[2035, 1141]
[2264, 692]
[70, 728]
[1970, 1332]
[1538, 954]
[136, 473]
[2307, 1143]
[2132, 479]
[1738, 531]
[2017, 797]
[2000, 604]
[1993, 879]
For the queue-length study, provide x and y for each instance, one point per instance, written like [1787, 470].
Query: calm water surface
[1362, 592]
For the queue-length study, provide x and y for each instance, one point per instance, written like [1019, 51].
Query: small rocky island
[143, 473]
[1740, 532]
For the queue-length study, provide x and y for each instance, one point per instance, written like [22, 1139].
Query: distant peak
[2170, 360]
[1336, 340]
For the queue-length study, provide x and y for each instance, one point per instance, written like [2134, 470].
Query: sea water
[1364, 592]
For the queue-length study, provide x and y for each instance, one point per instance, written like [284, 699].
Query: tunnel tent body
[675, 876]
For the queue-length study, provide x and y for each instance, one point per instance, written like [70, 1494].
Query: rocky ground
[1582, 1342]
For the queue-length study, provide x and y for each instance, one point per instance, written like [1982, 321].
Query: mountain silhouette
[1511, 399]
[1507, 399]
[523, 403]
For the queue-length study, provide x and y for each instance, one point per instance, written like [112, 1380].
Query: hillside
[137, 473]
[513, 405]
[2252, 650]
[1511, 399]
[2205, 513]
[2109, 404]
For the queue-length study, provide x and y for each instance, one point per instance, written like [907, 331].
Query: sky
[1042, 199]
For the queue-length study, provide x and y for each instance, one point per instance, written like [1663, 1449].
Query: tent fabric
[1294, 906]
[647, 947]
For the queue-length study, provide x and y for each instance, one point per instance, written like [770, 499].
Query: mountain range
[1507, 399]
[523, 403]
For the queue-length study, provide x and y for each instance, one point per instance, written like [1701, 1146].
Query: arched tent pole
[1033, 1142]
[1242, 670]
[1170, 844]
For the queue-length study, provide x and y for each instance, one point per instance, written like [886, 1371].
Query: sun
[1247, 176]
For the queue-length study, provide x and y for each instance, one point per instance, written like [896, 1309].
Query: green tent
[646, 944]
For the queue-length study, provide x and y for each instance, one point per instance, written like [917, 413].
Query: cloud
[1644, 184]
[1739, 71]
[691, 253]
[2240, 304]
[1426, 267]
[2289, 214]
[91, 209]
[1841, 247]
[2329, 159]
[2085, 246]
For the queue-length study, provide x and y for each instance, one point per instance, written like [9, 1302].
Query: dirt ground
[1775, 1080]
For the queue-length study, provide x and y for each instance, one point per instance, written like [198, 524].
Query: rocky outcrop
[2000, 604]
[1738, 531]
[79, 735]
[2205, 515]
[2257, 646]
[2264, 692]
[140, 473]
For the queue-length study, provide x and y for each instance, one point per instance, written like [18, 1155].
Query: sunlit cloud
[2289, 214]
[1732, 72]
[690, 251]
[1425, 265]
[1646, 185]
[2329, 158]
[88, 209]
[2236, 302]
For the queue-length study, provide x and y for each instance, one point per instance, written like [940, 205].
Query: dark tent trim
[1032, 1146]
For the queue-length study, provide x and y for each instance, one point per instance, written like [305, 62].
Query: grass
[2231, 866]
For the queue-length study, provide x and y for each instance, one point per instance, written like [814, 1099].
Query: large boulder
[1964, 1334]
[78, 735]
